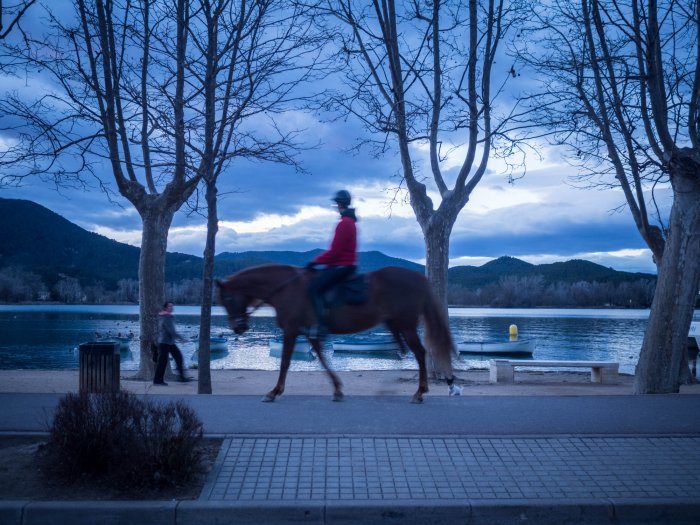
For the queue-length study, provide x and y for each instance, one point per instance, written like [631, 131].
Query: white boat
[695, 331]
[520, 347]
[302, 349]
[369, 346]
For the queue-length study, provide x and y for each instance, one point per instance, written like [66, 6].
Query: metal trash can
[99, 367]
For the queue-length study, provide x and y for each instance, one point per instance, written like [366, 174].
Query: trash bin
[99, 367]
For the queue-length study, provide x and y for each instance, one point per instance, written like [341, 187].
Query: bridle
[242, 320]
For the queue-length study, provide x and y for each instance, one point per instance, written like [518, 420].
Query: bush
[123, 440]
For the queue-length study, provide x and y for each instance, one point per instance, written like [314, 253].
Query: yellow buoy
[513, 332]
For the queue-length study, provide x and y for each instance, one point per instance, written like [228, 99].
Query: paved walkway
[475, 460]
[420, 468]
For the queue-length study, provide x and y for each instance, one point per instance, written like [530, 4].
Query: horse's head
[236, 304]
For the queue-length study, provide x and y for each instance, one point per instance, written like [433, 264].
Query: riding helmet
[342, 198]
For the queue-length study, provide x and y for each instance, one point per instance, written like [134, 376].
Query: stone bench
[503, 370]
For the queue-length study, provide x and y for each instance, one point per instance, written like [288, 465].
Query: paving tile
[423, 468]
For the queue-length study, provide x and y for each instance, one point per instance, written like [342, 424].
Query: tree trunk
[436, 234]
[663, 354]
[154, 241]
[204, 362]
[437, 254]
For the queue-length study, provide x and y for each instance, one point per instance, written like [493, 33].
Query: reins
[275, 291]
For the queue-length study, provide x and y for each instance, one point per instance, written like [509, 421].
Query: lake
[47, 336]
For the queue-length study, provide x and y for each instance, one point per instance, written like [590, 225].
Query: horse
[397, 297]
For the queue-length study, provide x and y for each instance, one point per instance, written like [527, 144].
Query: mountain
[368, 261]
[38, 240]
[572, 271]
[41, 241]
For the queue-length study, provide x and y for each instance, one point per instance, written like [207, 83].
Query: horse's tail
[437, 334]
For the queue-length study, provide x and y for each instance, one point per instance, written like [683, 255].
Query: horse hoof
[416, 400]
[267, 398]
[338, 396]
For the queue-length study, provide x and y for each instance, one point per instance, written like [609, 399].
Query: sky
[542, 217]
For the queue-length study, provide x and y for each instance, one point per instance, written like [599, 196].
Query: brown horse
[398, 298]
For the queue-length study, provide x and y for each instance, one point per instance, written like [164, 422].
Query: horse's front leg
[337, 384]
[288, 341]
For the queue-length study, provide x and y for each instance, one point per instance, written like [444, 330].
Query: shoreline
[316, 383]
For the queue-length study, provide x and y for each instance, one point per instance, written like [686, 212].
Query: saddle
[353, 291]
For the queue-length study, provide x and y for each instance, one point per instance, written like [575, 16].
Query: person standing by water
[340, 260]
[167, 335]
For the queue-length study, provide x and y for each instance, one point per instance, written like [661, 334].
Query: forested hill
[44, 256]
[572, 271]
[368, 261]
[40, 241]
[34, 240]
[37, 240]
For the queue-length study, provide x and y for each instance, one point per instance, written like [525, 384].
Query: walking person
[340, 260]
[167, 335]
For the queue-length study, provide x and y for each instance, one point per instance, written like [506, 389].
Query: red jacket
[343, 250]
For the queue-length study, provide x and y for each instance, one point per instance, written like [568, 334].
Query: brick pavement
[314, 469]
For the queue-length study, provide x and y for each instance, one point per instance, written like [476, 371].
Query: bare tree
[118, 104]
[161, 91]
[622, 90]
[421, 73]
[14, 12]
[251, 58]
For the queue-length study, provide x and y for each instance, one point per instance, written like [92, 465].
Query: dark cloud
[564, 239]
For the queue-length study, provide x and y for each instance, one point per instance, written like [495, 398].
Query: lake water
[47, 336]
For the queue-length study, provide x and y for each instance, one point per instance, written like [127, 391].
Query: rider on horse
[340, 260]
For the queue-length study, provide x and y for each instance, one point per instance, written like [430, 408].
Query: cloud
[542, 217]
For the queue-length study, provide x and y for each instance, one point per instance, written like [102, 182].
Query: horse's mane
[264, 268]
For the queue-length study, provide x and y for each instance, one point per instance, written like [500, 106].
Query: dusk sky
[542, 217]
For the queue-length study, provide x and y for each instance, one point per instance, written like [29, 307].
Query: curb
[195, 512]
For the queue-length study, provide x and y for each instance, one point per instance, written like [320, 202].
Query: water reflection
[41, 336]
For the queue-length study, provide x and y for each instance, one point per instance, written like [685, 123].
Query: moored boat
[217, 345]
[368, 346]
[519, 347]
[123, 342]
[302, 349]
[218, 348]
[694, 332]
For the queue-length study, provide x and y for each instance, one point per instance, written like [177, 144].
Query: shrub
[123, 440]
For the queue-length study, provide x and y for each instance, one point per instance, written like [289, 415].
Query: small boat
[368, 346]
[217, 345]
[302, 349]
[519, 347]
[695, 331]
[123, 342]
[218, 348]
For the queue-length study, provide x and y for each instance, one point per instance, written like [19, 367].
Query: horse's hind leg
[398, 338]
[337, 384]
[287, 348]
[414, 343]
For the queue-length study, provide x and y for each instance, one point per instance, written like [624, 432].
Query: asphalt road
[395, 416]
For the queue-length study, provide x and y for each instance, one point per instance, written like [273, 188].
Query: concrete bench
[502, 370]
